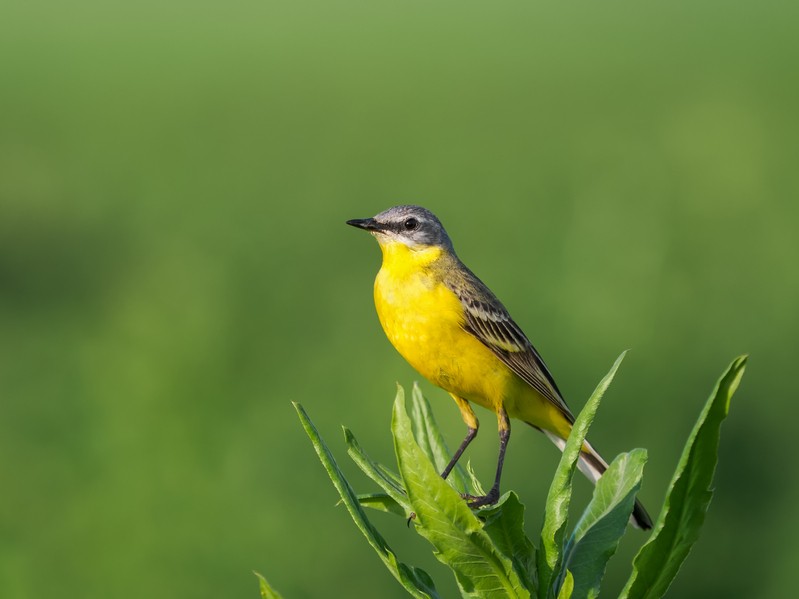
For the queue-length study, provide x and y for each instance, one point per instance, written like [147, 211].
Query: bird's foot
[476, 501]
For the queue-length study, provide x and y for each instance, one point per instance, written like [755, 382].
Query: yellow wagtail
[452, 329]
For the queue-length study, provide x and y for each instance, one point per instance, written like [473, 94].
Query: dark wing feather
[489, 321]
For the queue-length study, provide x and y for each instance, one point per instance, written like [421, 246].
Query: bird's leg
[472, 425]
[504, 435]
[471, 434]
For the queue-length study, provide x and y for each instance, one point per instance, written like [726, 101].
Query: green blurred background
[175, 269]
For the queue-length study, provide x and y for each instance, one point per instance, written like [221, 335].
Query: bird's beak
[368, 224]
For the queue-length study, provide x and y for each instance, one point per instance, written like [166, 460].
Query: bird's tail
[593, 466]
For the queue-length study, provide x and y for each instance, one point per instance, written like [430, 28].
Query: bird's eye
[411, 224]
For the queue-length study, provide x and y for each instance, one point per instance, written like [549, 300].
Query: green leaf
[474, 482]
[387, 480]
[382, 503]
[597, 534]
[267, 592]
[678, 526]
[431, 441]
[415, 580]
[504, 523]
[557, 507]
[567, 587]
[445, 520]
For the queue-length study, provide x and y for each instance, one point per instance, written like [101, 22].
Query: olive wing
[488, 320]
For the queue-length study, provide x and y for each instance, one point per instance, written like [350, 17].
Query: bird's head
[412, 226]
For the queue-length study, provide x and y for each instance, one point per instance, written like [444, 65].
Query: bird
[451, 328]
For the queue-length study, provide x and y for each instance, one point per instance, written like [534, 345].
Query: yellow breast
[423, 320]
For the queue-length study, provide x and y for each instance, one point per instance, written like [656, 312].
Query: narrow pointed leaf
[567, 587]
[267, 592]
[678, 525]
[387, 480]
[597, 534]
[444, 519]
[382, 503]
[557, 507]
[431, 441]
[474, 482]
[415, 580]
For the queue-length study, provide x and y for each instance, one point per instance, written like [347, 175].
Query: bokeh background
[175, 269]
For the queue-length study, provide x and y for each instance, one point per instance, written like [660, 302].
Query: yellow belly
[423, 319]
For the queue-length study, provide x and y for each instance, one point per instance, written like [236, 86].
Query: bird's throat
[402, 260]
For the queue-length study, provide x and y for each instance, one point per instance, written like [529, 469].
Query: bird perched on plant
[455, 332]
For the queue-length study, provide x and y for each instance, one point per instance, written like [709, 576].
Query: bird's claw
[476, 501]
